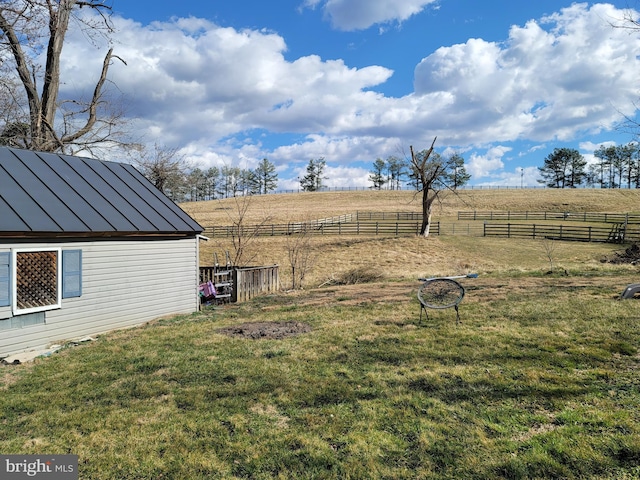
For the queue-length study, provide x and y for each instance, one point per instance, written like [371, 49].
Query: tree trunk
[426, 214]
[58, 25]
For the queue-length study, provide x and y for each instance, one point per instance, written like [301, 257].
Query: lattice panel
[37, 279]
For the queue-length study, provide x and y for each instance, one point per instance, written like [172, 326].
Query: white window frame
[14, 281]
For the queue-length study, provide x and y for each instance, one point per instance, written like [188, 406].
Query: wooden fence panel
[251, 282]
[246, 282]
[592, 217]
[396, 228]
[589, 233]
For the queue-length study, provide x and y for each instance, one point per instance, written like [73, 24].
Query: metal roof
[48, 193]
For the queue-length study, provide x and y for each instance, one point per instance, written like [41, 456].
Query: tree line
[394, 171]
[176, 178]
[32, 116]
[616, 166]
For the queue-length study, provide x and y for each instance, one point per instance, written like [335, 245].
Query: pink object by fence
[207, 289]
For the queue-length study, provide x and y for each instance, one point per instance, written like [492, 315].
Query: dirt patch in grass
[631, 255]
[480, 290]
[267, 330]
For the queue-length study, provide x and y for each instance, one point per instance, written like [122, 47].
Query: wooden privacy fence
[617, 233]
[592, 217]
[251, 282]
[247, 282]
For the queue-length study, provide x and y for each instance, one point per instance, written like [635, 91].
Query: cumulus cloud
[195, 84]
[194, 79]
[486, 165]
[568, 72]
[362, 14]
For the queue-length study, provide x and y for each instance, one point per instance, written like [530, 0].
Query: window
[5, 279]
[71, 273]
[36, 280]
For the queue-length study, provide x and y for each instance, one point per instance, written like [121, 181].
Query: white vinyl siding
[124, 283]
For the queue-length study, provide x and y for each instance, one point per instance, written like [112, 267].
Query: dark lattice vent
[37, 279]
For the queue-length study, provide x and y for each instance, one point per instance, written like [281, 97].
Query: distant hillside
[409, 257]
[289, 207]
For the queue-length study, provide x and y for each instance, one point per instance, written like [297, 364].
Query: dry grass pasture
[406, 258]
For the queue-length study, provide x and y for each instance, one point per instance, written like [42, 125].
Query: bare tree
[630, 21]
[434, 174]
[30, 27]
[165, 168]
[549, 246]
[243, 234]
[427, 174]
[299, 248]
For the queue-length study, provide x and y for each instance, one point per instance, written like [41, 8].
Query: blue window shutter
[5, 279]
[71, 273]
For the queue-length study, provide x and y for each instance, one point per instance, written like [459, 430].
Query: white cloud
[485, 165]
[591, 146]
[578, 74]
[361, 14]
[204, 88]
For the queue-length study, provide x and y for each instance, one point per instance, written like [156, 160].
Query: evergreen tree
[376, 177]
[563, 168]
[312, 181]
[396, 170]
[264, 178]
[458, 175]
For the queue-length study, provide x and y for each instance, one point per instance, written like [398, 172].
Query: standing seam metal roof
[53, 193]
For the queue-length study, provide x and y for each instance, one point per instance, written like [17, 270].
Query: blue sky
[501, 82]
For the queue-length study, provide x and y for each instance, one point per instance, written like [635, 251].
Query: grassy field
[539, 380]
[408, 257]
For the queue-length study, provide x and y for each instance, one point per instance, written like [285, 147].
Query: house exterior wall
[124, 283]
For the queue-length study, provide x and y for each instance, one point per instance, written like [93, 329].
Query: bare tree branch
[30, 28]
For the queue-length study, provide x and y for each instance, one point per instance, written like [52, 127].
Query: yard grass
[539, 380]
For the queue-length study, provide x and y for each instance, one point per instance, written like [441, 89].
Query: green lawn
[537, 385]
